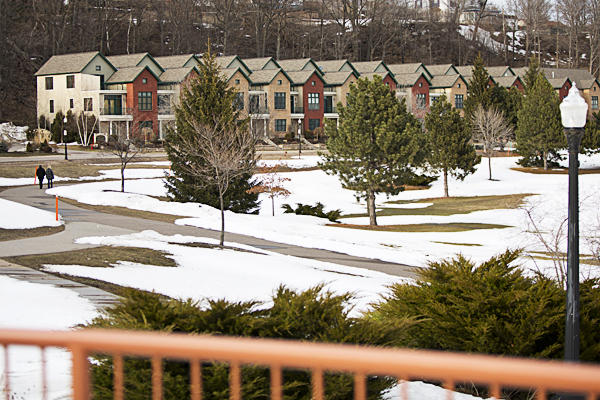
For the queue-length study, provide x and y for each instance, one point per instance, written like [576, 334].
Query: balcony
[165, 110]
[330, 110]
[539, 377]
[297, 110]
[115, 111]
[258, 110]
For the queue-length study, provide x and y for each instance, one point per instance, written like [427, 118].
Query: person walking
[40, 173]
[49, 176]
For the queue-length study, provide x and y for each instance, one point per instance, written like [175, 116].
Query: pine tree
[449, 140]
[376, 144]
[590, 142]
[532, 73]
[208, 98]
[539, 129]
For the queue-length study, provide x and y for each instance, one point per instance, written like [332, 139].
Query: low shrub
[3, 146]
[45, 147]
[421, 180]
[316, 211]
[312, 315]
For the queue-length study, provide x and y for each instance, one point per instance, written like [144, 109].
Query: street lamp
[65, 135]
[299, 138]
[573, 111]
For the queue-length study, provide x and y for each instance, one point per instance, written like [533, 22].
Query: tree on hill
[449, 140]
[539, 129]
[377, 143]
[206, 101]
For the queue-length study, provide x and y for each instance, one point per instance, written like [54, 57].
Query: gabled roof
[409, 80]
[506, 81]
[228, 73]
[383, 75]
[266, 76]
[400, 69]
[339, 78]
[369, 66]
[255, 64]
[334, 65]
[301, 77]
[69, 63]
[495, 72]
[558, 83]
[442, 69]
[226, 62]
[299, 65]
[177, 61]
[445, 81]
[176, 75]
[581, 77]
[129, 74]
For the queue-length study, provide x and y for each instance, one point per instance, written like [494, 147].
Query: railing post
[157, 384]
[118, 378]
[81, 373]
[317, 385]
[196, 379]
[276, 383]
[360, 387]
[235, 381]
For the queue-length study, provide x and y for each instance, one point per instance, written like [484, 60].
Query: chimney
[552, 74]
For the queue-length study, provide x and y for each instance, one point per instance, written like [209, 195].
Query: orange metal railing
[495, 372]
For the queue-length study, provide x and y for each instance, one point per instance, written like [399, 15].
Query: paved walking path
[82, 223]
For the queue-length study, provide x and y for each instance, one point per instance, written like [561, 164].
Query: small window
[51, 106]
[459, 86]
[280, 82]
[313, 83]
[49, 83]
[313, 124]
[98, 67]
[237, 81]
[458, 101]
[71, 103]
[70, 81]
[594, 102]
[88, 105]
[280, 100]
[313, 101]
[420, 84]
[144, 80]
[387, 84]
[566, 87]
[145, 101]
[280, 125]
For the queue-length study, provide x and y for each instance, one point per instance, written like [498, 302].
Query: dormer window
[98, 67]
[144, 80]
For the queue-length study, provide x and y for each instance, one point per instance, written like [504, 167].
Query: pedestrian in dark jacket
[41, 173]
[49, 176]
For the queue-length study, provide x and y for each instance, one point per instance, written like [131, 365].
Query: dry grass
[443, 228]
[16, 234]
[127, 212]
[451, 205]
[555, 171]
[68, 169]
[460, 244]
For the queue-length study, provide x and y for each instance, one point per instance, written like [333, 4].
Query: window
[237, 81]
[459, 86]
[88, 105]
[51, 106]
[145, 127]
[280, 125]
[280, 82]
[239, 101]
[279, 100]
[49, 83]
[145, 101]
[70, 81]
[594, 102]
[98, 67]
[313, 83]
[71, 105]
[313, 124]
[420, 84]
[313, 101]
[144, 80]
[458, 101]
[421, 100]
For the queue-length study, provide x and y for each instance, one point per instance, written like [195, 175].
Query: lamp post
[65, 136]
[573, 111]
[299, 138]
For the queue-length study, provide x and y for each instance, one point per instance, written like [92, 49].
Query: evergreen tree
[450, 142]
[58, 125]
[590, 142]
[539, 129]
[206, 99]
[532, 73]
[376, 144]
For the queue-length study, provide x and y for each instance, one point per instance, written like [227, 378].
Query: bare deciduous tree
[491, 128]
[228, 152]
[125, 149]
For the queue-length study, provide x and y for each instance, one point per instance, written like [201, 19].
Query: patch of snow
[19, 216]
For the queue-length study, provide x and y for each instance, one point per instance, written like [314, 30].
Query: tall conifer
[449, 140]
[206, 99]
[376, 144]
